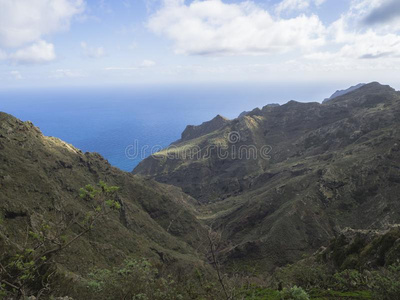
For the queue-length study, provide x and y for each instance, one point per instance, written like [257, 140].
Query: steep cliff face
[41, 176]
[317, 168]
[192, 132]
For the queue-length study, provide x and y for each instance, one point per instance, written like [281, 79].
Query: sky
[123, 42]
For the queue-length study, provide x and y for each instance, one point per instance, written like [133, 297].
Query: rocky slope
[317, 168]
[41, 176]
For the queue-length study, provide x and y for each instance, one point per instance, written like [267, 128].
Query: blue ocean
[107, 120]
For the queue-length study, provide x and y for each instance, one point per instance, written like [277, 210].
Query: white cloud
[16, 74]
[369, 45]
[366, 15]
[147, 63]
[387, 12]
[82, 18]
[26, 21]
[92, 52]
[39, 52]
[144, 64]
[355, 40]
[66, 73]
[212, 27]
[292, 5]
[296, 5]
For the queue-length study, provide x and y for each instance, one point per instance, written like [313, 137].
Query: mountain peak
[6, 116]
[339, 93]
[219, 117]
[356, 94]
[376, 86]
[192, 131]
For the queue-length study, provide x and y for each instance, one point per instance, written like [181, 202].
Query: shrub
[294, 293]
[350, 280]
[386, 284]
[305, 274]
[135, 279]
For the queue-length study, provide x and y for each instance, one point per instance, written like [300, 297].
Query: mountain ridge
[298, 199]
[344, 92]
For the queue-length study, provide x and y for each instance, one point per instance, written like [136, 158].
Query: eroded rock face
[330, 166]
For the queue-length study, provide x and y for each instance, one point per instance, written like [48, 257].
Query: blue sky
[105, 42]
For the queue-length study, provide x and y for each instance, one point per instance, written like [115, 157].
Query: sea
[125, 124]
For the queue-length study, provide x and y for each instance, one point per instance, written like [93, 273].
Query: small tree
[230, 287]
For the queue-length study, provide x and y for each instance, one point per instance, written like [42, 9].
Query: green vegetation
[30, 270]
[256, 293]
[329, 294]
[294, 293]
[136, 279]
[315, 294]
[33, 271]
[323, 275]
[386, 284]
